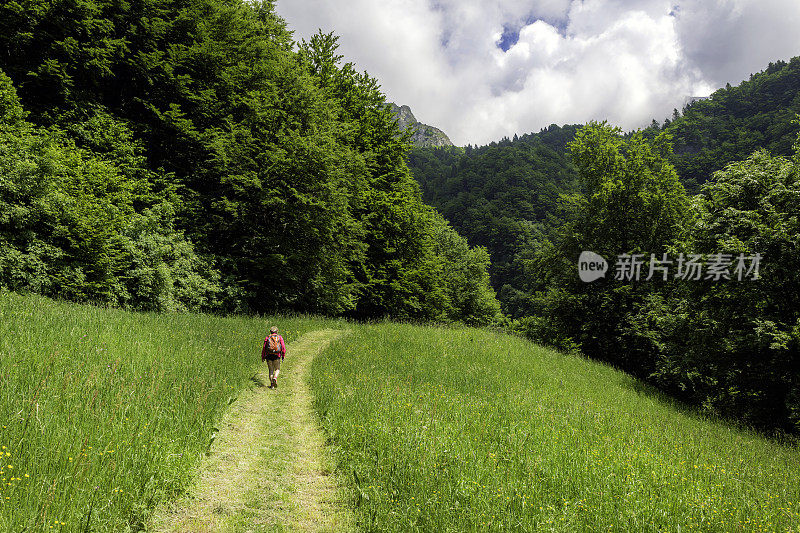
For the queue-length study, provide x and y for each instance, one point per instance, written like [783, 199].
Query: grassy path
[267, 470]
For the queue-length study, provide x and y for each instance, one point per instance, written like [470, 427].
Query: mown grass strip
[267, 469]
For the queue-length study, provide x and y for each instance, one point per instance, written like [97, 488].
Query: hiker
[273, 352]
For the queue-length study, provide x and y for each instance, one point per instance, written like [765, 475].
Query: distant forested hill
[496, 195]
[735, 121]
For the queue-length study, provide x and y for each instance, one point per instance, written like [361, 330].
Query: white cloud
[731, 39]
[622, 60]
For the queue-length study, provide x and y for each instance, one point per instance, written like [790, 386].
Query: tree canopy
[255, 173]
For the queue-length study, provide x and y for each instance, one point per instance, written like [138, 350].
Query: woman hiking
[273, 352]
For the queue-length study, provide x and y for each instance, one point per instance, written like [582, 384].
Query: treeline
[724, 335]
[190, 155]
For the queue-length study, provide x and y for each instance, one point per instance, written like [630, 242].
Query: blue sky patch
[510, 34]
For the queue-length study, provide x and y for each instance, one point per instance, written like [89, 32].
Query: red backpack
[273, 344]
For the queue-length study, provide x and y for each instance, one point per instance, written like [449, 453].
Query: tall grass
[464, 430]
[105, 413]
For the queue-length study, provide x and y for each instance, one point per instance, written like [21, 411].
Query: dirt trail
[268, 468]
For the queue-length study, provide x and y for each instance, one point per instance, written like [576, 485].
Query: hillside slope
[496, 195]
[506, 436]
[108, 413]
[192, 155]
[736, 121]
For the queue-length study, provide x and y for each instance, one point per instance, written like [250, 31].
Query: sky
[481, 70]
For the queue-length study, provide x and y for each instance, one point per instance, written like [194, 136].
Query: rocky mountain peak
[424, 135]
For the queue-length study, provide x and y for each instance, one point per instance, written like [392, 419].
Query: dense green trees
[735, 346]
[80, 226]
[467, 286]
[631, 203]
[728, 342]
[251, 173]
[497, 195]
[736, 121]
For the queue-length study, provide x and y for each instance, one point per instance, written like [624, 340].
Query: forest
[189, 155]
[499, 195]
[720, 177]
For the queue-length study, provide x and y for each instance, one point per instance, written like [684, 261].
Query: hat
[273, 329]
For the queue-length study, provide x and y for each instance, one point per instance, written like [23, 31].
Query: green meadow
[105, 414]
[467, 430]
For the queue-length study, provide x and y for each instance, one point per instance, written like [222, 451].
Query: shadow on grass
[257, 381]
[691, 410]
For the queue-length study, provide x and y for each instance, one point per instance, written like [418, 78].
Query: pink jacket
[282, 345]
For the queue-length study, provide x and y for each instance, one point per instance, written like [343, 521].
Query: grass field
[105, 413]
[466, 430]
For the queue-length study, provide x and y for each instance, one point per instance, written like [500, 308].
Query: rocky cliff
[423, 135]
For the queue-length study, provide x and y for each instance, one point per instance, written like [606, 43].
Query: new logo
[591, 266]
